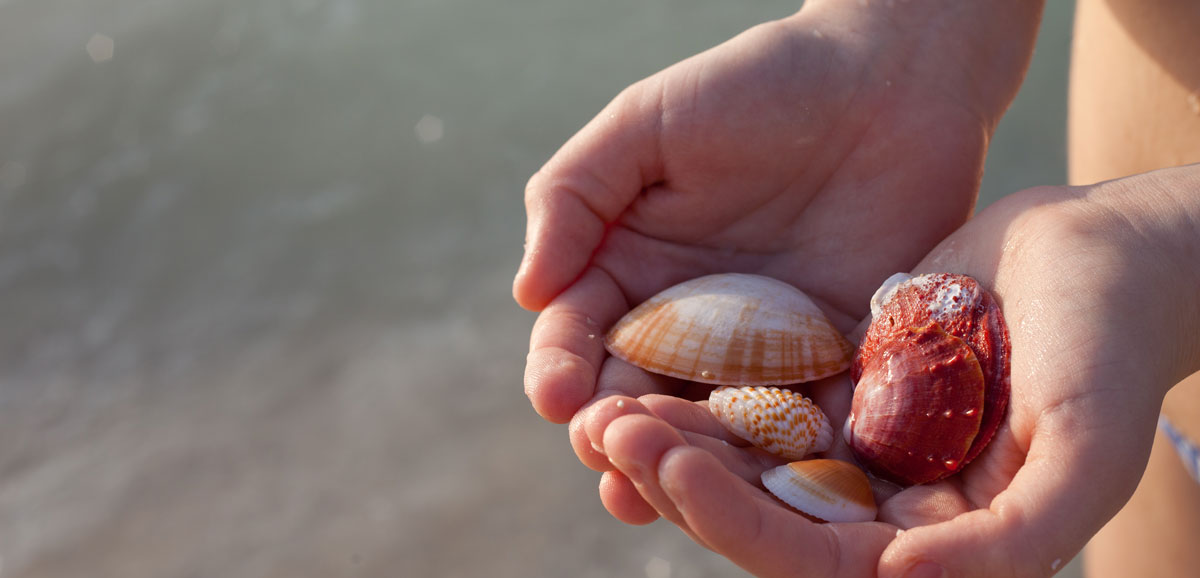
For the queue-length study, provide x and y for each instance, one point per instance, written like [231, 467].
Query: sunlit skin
[830, 150]
[781, 152]
[1134, 107]
[1068, 264]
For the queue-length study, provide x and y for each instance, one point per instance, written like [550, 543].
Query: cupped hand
[1098, 287]
[809, 149]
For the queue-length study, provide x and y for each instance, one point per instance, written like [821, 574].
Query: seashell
[919, 328]
[776, 420]
[831, 490]
[731, 329]
[917, 406]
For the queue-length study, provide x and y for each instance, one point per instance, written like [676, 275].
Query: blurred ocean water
[254, 270]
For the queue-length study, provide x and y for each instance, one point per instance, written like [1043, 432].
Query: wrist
[1163, 210]
[974, 52]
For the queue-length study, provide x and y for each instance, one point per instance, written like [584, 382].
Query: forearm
[975, 52]
[1134, 105]
[1155, 533]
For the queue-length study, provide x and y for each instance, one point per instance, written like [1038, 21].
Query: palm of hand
[1084, 401]
[1079, 422]
[769, 154]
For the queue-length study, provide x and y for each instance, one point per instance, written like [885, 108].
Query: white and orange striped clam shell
[778, 421]
[830, 490]
[731, 329]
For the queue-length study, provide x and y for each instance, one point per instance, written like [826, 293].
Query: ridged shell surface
[917, 407]
[776, 420]
[962, 308]
[731, 329]
[832, 490]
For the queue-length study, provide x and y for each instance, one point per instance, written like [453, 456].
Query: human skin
[782, 152]
[1098, 286]
[1135, 107]
[779, 152]
[1005, 515]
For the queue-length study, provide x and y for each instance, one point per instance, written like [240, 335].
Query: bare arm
[1135, 88]
[1135, 107]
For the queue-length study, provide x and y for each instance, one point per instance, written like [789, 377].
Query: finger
[567, 346]
[690, 416]
[635, 444]
[760, 535]
[622, 496]
[702, 430]
[623, 501]
[585, 186]
[747, 463]
[587, 428]
[618, 384]
[1073, 480]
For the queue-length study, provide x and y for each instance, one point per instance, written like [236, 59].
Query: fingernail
[926, 570]
[523, 265]
[666, 481]
[634, 472]
[527, 255]
[632, 469]
[596, 448]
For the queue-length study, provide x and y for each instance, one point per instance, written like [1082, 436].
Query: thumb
[1080, 468]
[581, 189]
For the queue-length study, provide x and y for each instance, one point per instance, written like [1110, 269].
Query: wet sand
[254, 277]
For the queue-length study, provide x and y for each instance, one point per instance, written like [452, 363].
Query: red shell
[917, 407]
[962, 308]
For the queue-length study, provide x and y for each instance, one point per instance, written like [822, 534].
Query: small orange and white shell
[778, 421]
[731, 329]
[831, 490]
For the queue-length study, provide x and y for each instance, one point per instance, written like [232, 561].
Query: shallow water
[254, 269]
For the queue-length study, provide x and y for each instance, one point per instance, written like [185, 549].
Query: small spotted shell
[731, 329]
[776, 420]
[830, 490]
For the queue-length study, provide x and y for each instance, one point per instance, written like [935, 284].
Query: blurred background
[255, 259]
